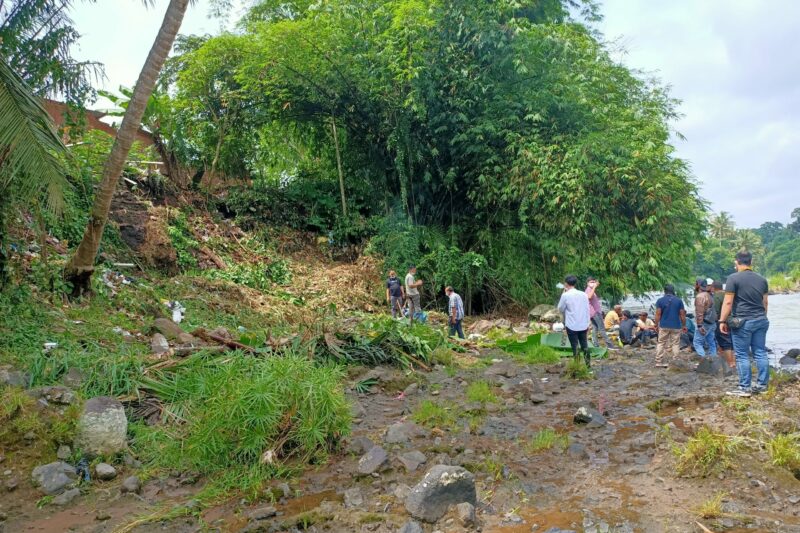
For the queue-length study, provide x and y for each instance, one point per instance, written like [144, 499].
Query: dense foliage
[505, 124]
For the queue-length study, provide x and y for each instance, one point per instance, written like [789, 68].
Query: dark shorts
[724, 342]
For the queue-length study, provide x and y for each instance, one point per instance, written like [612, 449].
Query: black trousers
[577, 337]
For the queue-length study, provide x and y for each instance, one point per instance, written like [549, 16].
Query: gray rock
[373, 461]
[353, 498]
[591, 417]
[64, 452]
[412, 460]
[13, 378]
[551, 316]
[102, 515]
[102, 427]
[465, 513]
[576, 450]
[105, 471]
[711, 366]
[54, 478]
[66, 497]
[131, 484]
[440, 488]
[159, 344]
[539, 311]
[74, 378]
[401, 492]
[131, 462]
[285, 489]
[794, 500]
[502, 369]
[187, 338]
[262, 513]
[500, 428]
[788, 361]
[11, 484]
[411, 389]
[167, 327]
[411, 527]
[56, 394]
[360, 445]
[794, 353]
[403, 432]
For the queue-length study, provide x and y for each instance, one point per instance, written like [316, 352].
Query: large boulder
[13, 378]
[102, 427]
[54, 478]
[482, 327]
[441, 487]
[167, 328]
[552, 316]
[538, 312]
[794, 353]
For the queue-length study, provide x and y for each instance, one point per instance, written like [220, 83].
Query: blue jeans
[456, 328]
[700, 340]
[752, 335]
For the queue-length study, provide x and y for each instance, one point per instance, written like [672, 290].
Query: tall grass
[250, 414]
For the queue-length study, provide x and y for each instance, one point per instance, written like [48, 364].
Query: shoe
[758, 389]
[662, 365]
[741, 393]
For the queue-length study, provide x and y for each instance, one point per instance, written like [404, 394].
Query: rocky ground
[424, 457]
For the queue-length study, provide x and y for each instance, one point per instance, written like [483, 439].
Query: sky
[734, 64]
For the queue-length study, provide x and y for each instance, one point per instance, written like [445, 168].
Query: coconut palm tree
[80, 267]
[722, 227]
[29, 148]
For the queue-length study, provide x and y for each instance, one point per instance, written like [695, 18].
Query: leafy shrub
[246, 412]
[254, 276]
[182, 240]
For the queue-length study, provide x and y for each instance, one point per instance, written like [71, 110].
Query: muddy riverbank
[619, 475]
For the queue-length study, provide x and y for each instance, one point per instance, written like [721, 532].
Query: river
[784, 320]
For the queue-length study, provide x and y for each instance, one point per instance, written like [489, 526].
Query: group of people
[730, 319]
[404, 299]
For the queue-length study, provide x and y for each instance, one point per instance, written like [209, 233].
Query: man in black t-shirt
[744, 314]
[395, 294]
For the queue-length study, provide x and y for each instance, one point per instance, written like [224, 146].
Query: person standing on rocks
[670, 323]
[412, 292]
[574, 305]
[724, 342]
[744, 315]
[705, 318]
[395, 294]
[596, 312]
[455, 312]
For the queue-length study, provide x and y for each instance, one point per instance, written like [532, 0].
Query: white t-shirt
[411, 291]
[574, 305]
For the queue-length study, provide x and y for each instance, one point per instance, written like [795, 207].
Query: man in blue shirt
[455, 312]
[670, 321]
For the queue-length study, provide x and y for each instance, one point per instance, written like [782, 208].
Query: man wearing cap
[412, 292]
[705, 318]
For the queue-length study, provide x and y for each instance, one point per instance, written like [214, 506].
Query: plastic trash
[83, 469]
[49, 346]
[558, 327]
[177, 311]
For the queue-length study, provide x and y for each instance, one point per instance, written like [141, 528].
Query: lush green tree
[795, 224]
[722, 227]
[768, 231]
[483, 118]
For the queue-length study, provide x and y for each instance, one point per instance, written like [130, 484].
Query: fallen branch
[232, 344]
[704, 528]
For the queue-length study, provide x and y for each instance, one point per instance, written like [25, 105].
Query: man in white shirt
[574, 305]
[412, 292]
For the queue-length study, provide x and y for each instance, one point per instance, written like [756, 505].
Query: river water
[784, 320]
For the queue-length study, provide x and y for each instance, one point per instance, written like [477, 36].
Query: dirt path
[620, 476]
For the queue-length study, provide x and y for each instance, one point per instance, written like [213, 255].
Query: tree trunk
[81, 266]
[339, 166]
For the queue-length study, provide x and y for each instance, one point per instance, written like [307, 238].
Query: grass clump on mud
[711, 508]
[432, 414]
[253, 417]
[547, 439]
[481, 392]
[784, 451]
[705, 452]
[577, 369]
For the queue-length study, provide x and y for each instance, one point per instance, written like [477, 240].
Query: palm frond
[29, 144]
